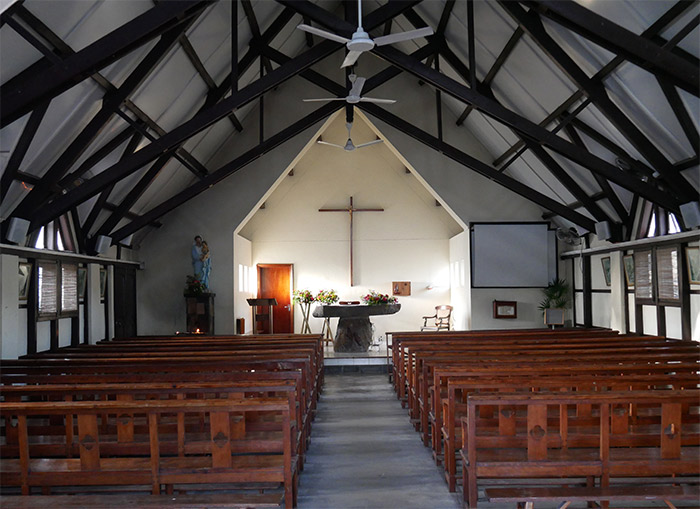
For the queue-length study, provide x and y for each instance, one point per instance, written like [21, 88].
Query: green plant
[303, 297]
[194, 286]
[556, 295]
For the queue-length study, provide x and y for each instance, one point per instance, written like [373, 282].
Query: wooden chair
[440, 320]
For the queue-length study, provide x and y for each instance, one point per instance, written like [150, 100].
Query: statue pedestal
[200, 313]
[354, 332]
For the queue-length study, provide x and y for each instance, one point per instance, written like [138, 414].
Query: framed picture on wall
[692, 255]
[505, 309]
[606, 269]
[628, 261]
[25, 273]
[103, 282]
[82, 282]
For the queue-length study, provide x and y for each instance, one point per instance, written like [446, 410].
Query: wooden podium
[262, 314]
[200, 313]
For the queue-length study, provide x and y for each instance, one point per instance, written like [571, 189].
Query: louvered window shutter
[48, 288]
[69, 287]
[668, 273]
[643, 277]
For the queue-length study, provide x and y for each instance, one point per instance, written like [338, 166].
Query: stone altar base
[354, 335]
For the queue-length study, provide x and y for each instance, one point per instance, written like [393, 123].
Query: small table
[354, 332]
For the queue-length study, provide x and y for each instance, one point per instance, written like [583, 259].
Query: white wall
[460, 282]
[244, 282]
[9, 308]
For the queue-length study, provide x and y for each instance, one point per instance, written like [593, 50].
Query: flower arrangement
[194, 286]
[327, 297]
[377, 299]
[303, 297]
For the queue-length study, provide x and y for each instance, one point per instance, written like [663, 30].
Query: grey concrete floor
[365, 454]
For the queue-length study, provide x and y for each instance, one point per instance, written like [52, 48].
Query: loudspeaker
[691, 214]
[17, 230]
[602, 230]
[102, 243]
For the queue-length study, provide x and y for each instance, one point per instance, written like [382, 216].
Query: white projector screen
[512, 255]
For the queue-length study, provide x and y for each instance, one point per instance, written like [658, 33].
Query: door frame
[259, 266]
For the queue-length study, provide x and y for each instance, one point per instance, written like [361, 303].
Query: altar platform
[373, 361]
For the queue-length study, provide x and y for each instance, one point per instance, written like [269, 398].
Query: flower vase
[305, 308]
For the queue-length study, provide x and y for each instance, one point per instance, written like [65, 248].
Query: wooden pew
[454, 405]
[547, 446]
[216, 462]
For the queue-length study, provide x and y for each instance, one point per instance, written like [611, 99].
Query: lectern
[262, 313]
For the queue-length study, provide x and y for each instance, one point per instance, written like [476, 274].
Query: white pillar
[618, 292]
[93, 308]
[9, 306]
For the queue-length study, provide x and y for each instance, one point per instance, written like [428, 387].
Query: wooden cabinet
[200, 313]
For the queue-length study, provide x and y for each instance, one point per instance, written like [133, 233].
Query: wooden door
[124, 302]
[275, 281]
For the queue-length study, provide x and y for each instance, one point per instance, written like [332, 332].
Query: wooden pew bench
[566, 495]
[454, 405]
[226, 457]
[616, 448]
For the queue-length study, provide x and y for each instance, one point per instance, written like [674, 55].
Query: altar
[354, 332]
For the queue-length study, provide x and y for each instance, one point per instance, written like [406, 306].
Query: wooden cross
[351, 210]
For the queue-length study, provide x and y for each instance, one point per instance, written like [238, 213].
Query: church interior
[349, 253]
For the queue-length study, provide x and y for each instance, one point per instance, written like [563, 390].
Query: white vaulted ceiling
[642, 111]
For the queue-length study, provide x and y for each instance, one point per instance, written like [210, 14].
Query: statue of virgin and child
[201, 260]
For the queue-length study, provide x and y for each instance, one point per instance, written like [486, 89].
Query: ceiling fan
[570, 236]
[361, 40]
[353, 96]
[349, 145]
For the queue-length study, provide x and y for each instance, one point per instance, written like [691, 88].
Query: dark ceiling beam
[491, 74]
[567, 181]
[63, 50]
[686, 122]
[20, 97]
[75, 177]
[445, 18]
[204, 74]
[131, 216]
[522, 125]
[25, 140]
[471, 44]
[532, 24]
[309, 37]
[102, 198]
[564, 121]
[687, 163]
[182, 155]
[622, 42]
[244, 63]
[673, 13]
[133, 195]
[182, 133]
[32, 39]
[233, 81]
[608, 191]
[254, 29]
[228, 169]
[386, 31]
[575, 205]
[478, 166]
[640, 167]
[110, 104]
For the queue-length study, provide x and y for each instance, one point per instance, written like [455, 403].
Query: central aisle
[365, 454]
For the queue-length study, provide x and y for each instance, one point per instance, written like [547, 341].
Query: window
[657, 275]
[57, 284]
[668, 273]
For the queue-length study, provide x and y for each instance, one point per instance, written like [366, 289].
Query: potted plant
[556, 300]
[304, 298]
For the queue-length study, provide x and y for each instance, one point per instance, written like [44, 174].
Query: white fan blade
[324, 99]
[377, 101]
[356, 89]
[403, 36]
[321, 142]
[323, 33]
[351, 58]
[369, 143]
